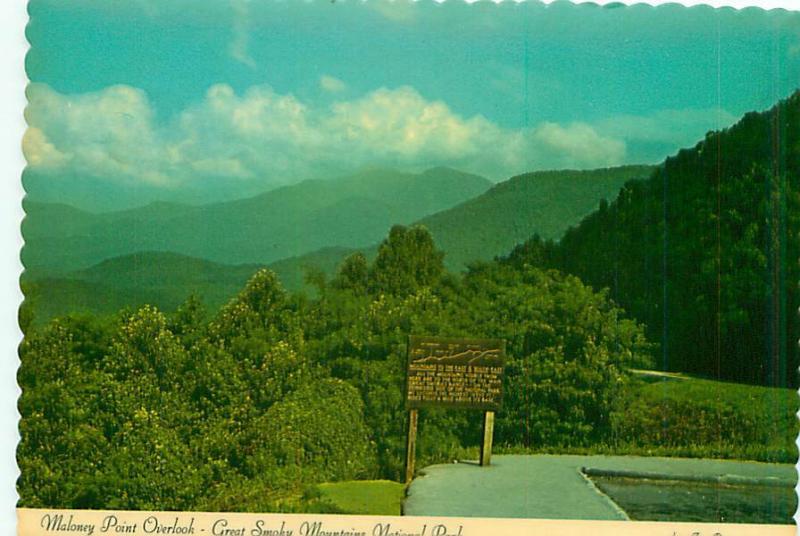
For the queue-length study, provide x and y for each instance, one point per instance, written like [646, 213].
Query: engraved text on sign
[464, 373]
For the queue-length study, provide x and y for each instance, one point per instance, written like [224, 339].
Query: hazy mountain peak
[351, 211]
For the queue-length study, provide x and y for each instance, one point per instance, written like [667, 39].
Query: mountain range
[546, 203]
[162, 252]
[352, 211]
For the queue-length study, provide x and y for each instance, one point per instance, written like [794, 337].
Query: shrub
[320, 427]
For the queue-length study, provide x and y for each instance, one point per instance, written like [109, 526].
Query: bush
[158, 413]
[320, 427]
[569, 350]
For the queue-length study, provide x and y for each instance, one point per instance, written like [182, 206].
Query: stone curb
[711, 479]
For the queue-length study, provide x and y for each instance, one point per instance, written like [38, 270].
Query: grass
[676, 415]
[364, 497]
[712, 418]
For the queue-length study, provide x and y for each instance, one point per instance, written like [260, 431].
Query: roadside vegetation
[250, 408]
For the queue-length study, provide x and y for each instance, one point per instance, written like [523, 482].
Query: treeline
[704, 253]
[241, 409]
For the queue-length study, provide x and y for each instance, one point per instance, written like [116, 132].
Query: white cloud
[408, 130]
[274, 138]
[677, 128]
[577, 145]
[268, 134]
[239, 46]
[331, 84]
[107, 133]
[40, 152]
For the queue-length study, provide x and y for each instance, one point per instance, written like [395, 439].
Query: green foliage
[63, 416]
[407, 260]
[569, 351]
[353, 273]
[300, 431]
[704, 252]
[717, 419]
[145, 347]
[255, 318]
[152, 412]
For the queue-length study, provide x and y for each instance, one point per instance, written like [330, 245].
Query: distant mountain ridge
[162, 279]
[546, 203]
[479, 228]
[351, 211]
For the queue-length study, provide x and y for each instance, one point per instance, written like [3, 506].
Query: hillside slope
[542, 202]
[705, 251]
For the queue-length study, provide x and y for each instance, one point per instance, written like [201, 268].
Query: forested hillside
[544, 202]
[705, 251]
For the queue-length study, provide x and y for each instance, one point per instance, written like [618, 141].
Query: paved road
[552, 487]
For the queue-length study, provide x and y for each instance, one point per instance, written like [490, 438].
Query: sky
[137, 100]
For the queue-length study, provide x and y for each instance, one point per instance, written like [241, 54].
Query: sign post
[486, 444]
[453, 373]
[411, 446]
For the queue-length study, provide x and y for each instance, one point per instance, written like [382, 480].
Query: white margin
[13, 47]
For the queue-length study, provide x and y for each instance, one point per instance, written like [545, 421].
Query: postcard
[409, 269]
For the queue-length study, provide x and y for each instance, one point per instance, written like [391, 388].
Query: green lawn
[677, 415]
[691, 416]
[364, 497]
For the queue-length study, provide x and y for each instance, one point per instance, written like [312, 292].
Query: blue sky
[240, 96]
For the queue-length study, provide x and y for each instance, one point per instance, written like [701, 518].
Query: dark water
[657, 500]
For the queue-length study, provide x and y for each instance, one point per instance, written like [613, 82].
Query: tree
[569, 350]
[407, 260]
[704, 251]
[353, 273]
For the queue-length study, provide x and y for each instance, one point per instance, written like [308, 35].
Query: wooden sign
[460, 373]
[454, 373]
